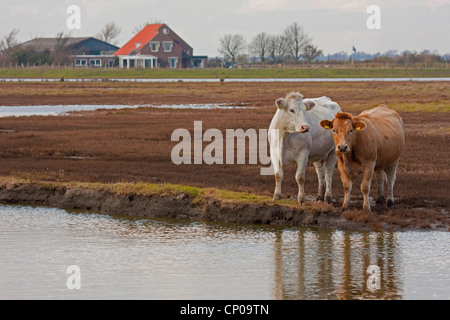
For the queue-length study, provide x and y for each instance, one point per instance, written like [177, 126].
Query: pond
[46, 252]
[55, 110]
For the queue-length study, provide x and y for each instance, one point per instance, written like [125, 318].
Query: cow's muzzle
[342, 148]
[304, 128]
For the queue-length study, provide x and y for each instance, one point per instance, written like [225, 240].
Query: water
[226, 79]
[55, 110]
[123, 258]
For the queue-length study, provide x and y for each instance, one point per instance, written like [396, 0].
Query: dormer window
[167, 46]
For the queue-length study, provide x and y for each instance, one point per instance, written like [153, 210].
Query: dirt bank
[183, 205]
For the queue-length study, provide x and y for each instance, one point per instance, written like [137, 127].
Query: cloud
[435, 3]
[258, 6]
[255, 6]
[19, 10]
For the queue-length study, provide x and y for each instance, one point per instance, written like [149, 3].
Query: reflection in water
[332, 265]
[123, 258]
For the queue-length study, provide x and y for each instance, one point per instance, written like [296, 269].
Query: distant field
[58, 73]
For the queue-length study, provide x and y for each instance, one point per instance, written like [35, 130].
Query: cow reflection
[333, 265]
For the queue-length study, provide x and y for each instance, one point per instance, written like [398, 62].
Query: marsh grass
[130, 150]
[434, 106]
[196, 195]
[221, 73]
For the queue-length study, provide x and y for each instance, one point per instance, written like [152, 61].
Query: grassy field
[289, 72]
[407, 96]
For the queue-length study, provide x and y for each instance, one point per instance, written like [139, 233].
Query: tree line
[293, 44]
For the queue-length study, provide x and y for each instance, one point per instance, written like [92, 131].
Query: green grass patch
[142, 188]
[287, 72]
[436, 106]
[239, 196]
[197, 195]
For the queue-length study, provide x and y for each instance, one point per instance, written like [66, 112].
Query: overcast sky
[334, 25]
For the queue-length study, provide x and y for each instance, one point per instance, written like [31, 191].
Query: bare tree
[60, 54]
[311, 52]
[276, 47]
[61, 41]
[231, 46]
[296, 40]
[9, 41]
[260, 46]
[109, 32]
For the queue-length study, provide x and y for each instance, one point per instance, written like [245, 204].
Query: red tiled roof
[142, 37]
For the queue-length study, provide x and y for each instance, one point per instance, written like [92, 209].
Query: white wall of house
[138, 61]
[93, 60]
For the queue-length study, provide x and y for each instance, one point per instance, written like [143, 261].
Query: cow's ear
[359, 125]
[280, 103]
[309, 105]
[326, 124]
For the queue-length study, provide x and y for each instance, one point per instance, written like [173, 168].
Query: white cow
[295, 134]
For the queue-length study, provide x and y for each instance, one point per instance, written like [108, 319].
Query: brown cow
[371, 141]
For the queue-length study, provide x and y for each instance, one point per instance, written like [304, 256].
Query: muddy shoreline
[182, 206]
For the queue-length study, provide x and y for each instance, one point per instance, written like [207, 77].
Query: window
[80, 62]
[154, 45]
[168, 46]
[173, 62]
[166, 31]
[95, 63]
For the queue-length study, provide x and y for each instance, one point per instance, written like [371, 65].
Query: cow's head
[292, 112]
[344, 126]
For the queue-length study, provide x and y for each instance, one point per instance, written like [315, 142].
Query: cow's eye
[334, 131]
[351, 130]
[291, 110]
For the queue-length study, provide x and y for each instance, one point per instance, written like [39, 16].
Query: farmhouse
[156, 45]
[82, 51]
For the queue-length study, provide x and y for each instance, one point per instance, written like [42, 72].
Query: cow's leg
[347, 185]
[391, 174]
[320, 179]
[302, 162]
[365, 186]
[278, 168]
[275, 158]
[380, 180]
[329, 169]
